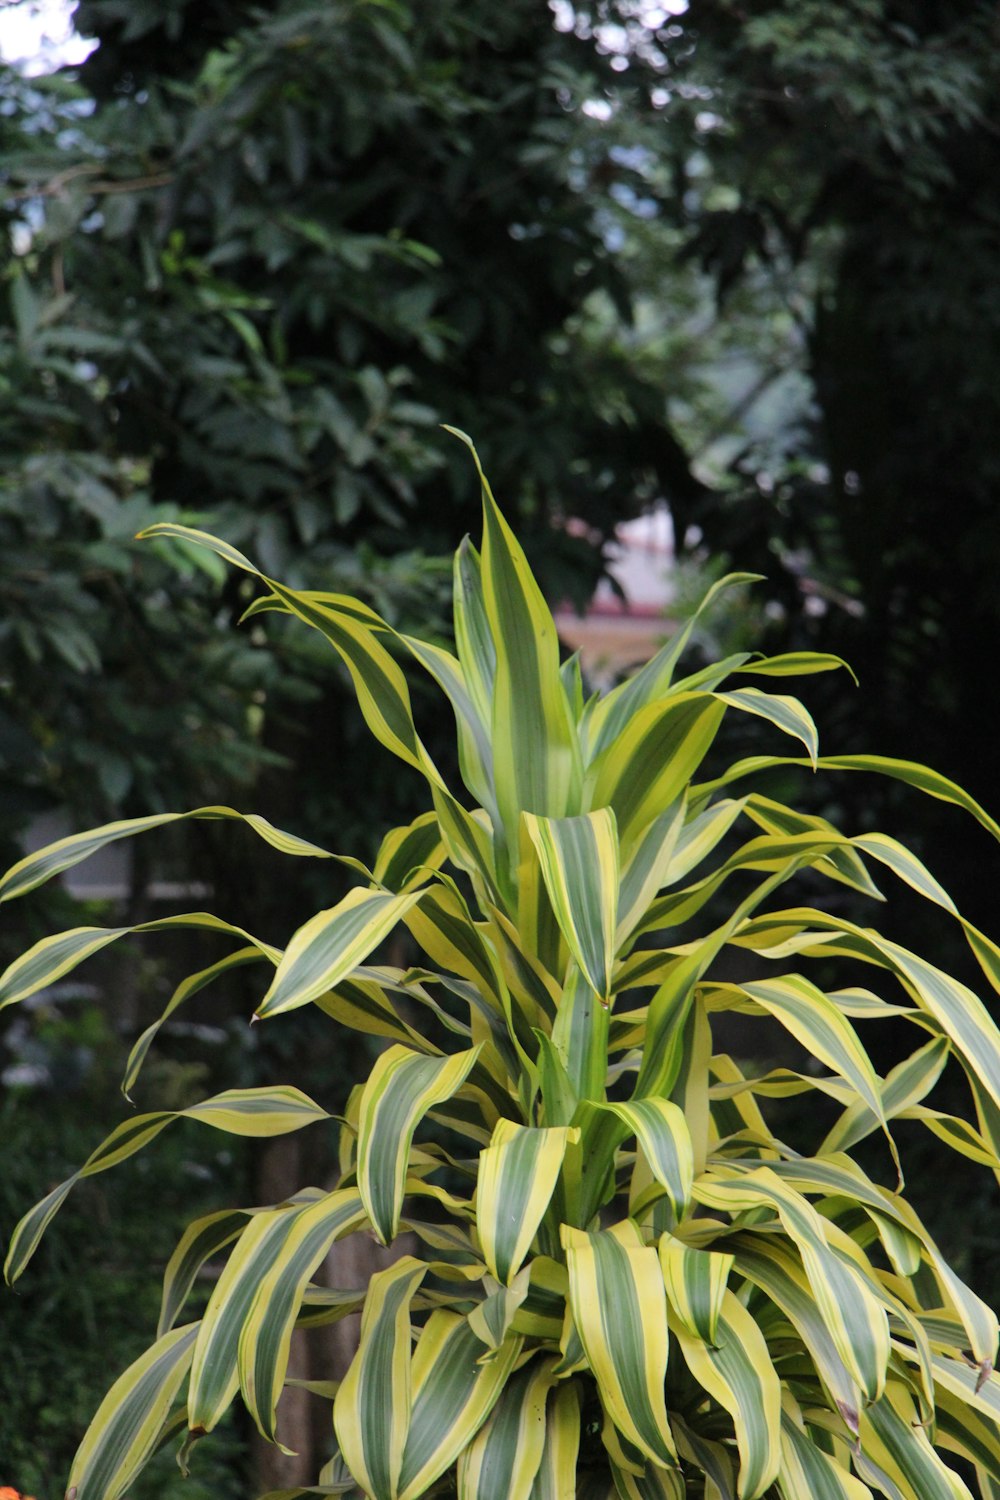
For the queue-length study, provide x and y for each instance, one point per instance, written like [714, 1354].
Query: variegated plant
[627, 1283]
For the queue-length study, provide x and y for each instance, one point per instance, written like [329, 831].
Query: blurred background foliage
[740, 259]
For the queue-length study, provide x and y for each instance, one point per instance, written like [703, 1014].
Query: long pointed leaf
[401, 1088]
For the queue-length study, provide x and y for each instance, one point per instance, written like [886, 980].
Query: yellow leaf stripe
[619, 1308]
[739, 1375]
[579, 862]
[41, 865]
[517, 1175]
[401, 1088]
[246, 1112]
[330, 945]
[128, 1423]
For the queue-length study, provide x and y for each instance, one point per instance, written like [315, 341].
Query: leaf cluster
[628, 1282]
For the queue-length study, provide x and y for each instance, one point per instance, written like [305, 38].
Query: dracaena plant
[627, 1282]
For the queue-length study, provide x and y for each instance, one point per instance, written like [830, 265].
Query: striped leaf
[619, 1308]
[696, 1285]
[580, 1036]
[246, 1112]
[401, 1088]
[645, 867]
[266, 1336]
[214, 1373]
[904, 1086]
[354, 631]
[52, 958]
[128, 1423]
[475, 752]
[517, 1176]
[796, 664]
[536, 755]
[372, 1410]
[786, 714]
[647, 767]
[652, 1483]
[41, 865]
[663, 1136]
[806, 1470]
[771, 1265]
[739, 1375]
[201, 1240]
[892, 1438]
[408, 856]
[492, 1319]
[579, 862]
[503, 1459]
[192, 985]
[857, 1322]
[932, 783]
[653, 680]
[556, 1478]
[815, 1022]
[332, 943]
[473, 638]
[454, 1391]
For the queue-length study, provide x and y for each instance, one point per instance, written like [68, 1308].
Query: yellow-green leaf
[266, 1335]
[129, 1421]
[739, 1375]
[696, 1285]
[42, 864]
[454, 1391]
[504, 1457]
[579, 862]
[372, 1410]
[401, 1088]
[517, 1175]
[332, 943]
[619, 1308]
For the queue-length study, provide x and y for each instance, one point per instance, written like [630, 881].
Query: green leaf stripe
[129, 1421]
[739, 1375]
[265, 1339]
[517, 1176]
[579, 862]
[401, 1088]
[332, 943]
[36, 868]
[619, 1307]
